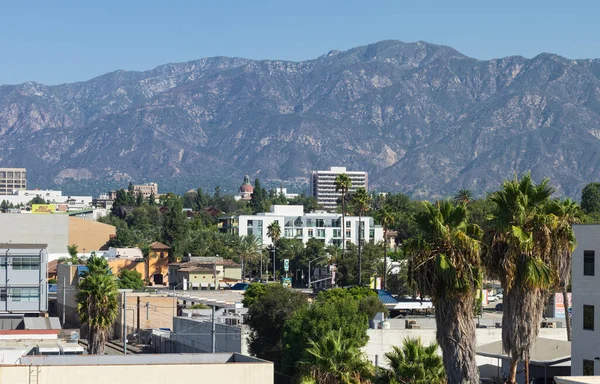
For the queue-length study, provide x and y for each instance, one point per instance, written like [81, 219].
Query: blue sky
[64, 41]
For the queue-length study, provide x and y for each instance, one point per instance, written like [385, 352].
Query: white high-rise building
[322, 185]
[295, 224]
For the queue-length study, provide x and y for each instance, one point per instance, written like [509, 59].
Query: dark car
[240, 287]
[499, 307]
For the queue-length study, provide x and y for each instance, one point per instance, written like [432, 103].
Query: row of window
[21, 263]
[20, 294]
[309, 223]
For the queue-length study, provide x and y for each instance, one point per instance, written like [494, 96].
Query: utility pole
[215, 274]
[213, 331]
[124, 322]
[64, 298]
[138, 315]
[274, 279]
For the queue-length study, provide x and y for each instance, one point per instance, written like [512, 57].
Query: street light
[320, 257]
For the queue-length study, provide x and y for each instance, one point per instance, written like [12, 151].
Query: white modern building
[585, 355]
[322, 185]
[51, 196]
[295, 224]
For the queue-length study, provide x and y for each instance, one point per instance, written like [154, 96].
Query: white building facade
[295, 224]
[585, 353]
[322, 185]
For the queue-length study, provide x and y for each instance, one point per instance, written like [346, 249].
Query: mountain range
[422, 119]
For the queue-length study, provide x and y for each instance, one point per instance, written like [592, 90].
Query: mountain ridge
[423, 119]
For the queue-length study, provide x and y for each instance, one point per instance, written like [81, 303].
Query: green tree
[97, 304]
[72, 250]
[361, 202]
[36, 200]
[249, 251]
[415, 363]
[386, 218]
[146, 254]
[520, 256]
[174, 224]
[590, 198]
[463, 196]
[4, 206]
[343, 185]
[130, 279]
[445, 265]
[269, 308]
[336, 310]
[334, 359]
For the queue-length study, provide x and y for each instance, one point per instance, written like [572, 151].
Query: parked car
[492, 298]
[500, 295]
[499, 307]
[240, 287]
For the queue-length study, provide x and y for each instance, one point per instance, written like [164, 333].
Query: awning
[545, 352]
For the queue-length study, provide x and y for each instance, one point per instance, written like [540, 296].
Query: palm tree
[361, 201]
[274, 232]
[567, 213]
[520, 255]
[72, 250]
[416, 363]
[463, 196]
[387, 219]
[335, 360]
[445, 265]
[97, 303]
[249, 251]
[343, 183]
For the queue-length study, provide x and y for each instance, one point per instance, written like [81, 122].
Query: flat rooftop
[544, 351]
[142, 359]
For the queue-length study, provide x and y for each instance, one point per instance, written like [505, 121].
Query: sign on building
[286, 265]
[43, 208]
[286, 282]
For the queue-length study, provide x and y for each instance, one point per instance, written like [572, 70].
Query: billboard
[559, 305]
[43, 208]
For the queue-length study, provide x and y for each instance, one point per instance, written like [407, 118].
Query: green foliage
[590, 198]
[36, 200]
[415, 363]
[334, 359]
[130, 279]
[336, 310]
[269, 308]
[72, 250]
[371, 305]
[347, 268]
[199, 306]
[310, 203]
[52, 281]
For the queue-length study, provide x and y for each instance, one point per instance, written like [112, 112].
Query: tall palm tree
[361, 201]
[249, 251]
[386, 218]
[445, 265]
[416, 363]
[97, 304]
[567, 213]
[72, 250]
[274, 232]
[520, 256]
[335, 360]
[463, 196]
[343, 183]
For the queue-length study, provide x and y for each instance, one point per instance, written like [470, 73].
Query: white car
[500, 295]
[492, 298]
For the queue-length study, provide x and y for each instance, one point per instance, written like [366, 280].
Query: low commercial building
[295, 224]
[204, 272]
[57, 231]
[230, 368]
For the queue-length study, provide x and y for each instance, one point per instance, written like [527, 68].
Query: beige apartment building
[12, 179]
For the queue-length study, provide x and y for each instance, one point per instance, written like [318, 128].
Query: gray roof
[544, 351]
[142, 359]
[41, 323]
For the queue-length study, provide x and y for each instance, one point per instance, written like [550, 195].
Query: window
[588, 317]
[25, 294]
[337, 233]
[589, 263]
[250, 231]
[309, 222]
[371, 233]
[348, 224]
[259, 222]
[588, 367]
[320, 233]
[348, 233]
[320, 223]
[298, 232]
[288, 232]
[310, 233]
[26, 263]
[3, 294]
[250, 223]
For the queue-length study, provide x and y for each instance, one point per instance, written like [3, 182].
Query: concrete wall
[158, 313]
[585, 292]
[230, 373]
[39, 229]
[89, 235]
